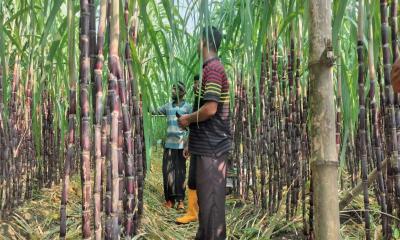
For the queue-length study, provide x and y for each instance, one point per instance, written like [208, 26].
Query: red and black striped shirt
[213, 136]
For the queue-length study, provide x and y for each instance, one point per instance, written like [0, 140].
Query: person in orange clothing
[395, 76]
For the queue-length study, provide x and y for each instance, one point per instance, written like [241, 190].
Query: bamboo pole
[323, 158]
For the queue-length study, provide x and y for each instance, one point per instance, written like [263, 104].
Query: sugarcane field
[199, 119]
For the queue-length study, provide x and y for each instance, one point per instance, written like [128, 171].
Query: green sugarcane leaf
[50, 20]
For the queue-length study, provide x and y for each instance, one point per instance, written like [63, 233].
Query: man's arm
[160, 111]
[206, 112]
[212, 95]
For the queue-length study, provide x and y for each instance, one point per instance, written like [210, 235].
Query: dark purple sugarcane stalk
[14, 137]
[70, 150]
[282, 136]
[395, 53]
[121, 164]
[390, 126]
[245, 165]
[4, 154]
[140, 162]
[376, 131]
[294, 87]
[130, 169]
[253, 146]
[118, 95]
[108, 200]
[67, 162]
[115, 111]
[264, 128]
[311, 210]
[287, 106]
[274, 126]
[2, 144]
[107, 122]
[84, 79]
[236, 127]
[92, 33]
[394, 29]
[98, 135]
[363, 117]
[50, 137]
[297, 166]
[140, 151]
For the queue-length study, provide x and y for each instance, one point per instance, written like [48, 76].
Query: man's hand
[184, 121]
[186, 152]
[395, 76]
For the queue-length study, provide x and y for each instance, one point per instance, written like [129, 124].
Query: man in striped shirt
[210, 139]
[174, 163]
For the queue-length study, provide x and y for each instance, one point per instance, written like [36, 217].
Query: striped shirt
[213, 136]
[176, 136]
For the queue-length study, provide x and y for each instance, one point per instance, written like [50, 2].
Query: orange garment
[395, 76]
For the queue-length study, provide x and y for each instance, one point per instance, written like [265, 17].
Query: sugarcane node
[114, 65]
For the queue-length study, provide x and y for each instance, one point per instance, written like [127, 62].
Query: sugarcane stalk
[93, 53]
[274, 124]
[107, 122]
[297, 168]
[351, 194]
[84, 77]
[98, 138]
[253, 146]
[363, 117]
[14, 136]
[114, 162]
[394, 28]
[263, 137]
[2, 145]
[376, 131]
[129, 167]
[108, 200]
[116, 96]
[395, 54]
[138, 141]
[302, 132]
[393, 170]
[140, 166]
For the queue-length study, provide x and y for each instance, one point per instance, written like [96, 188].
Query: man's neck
[208, 54]
[177, 101]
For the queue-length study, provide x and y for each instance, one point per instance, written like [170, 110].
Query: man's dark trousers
[210, 184]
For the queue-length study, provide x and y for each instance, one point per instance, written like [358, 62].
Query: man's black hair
[212, 37]
[181, 87]
[196, 77]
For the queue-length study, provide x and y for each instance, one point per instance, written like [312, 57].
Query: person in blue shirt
[175, 149]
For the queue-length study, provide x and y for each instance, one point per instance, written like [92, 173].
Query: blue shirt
[176, 136]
